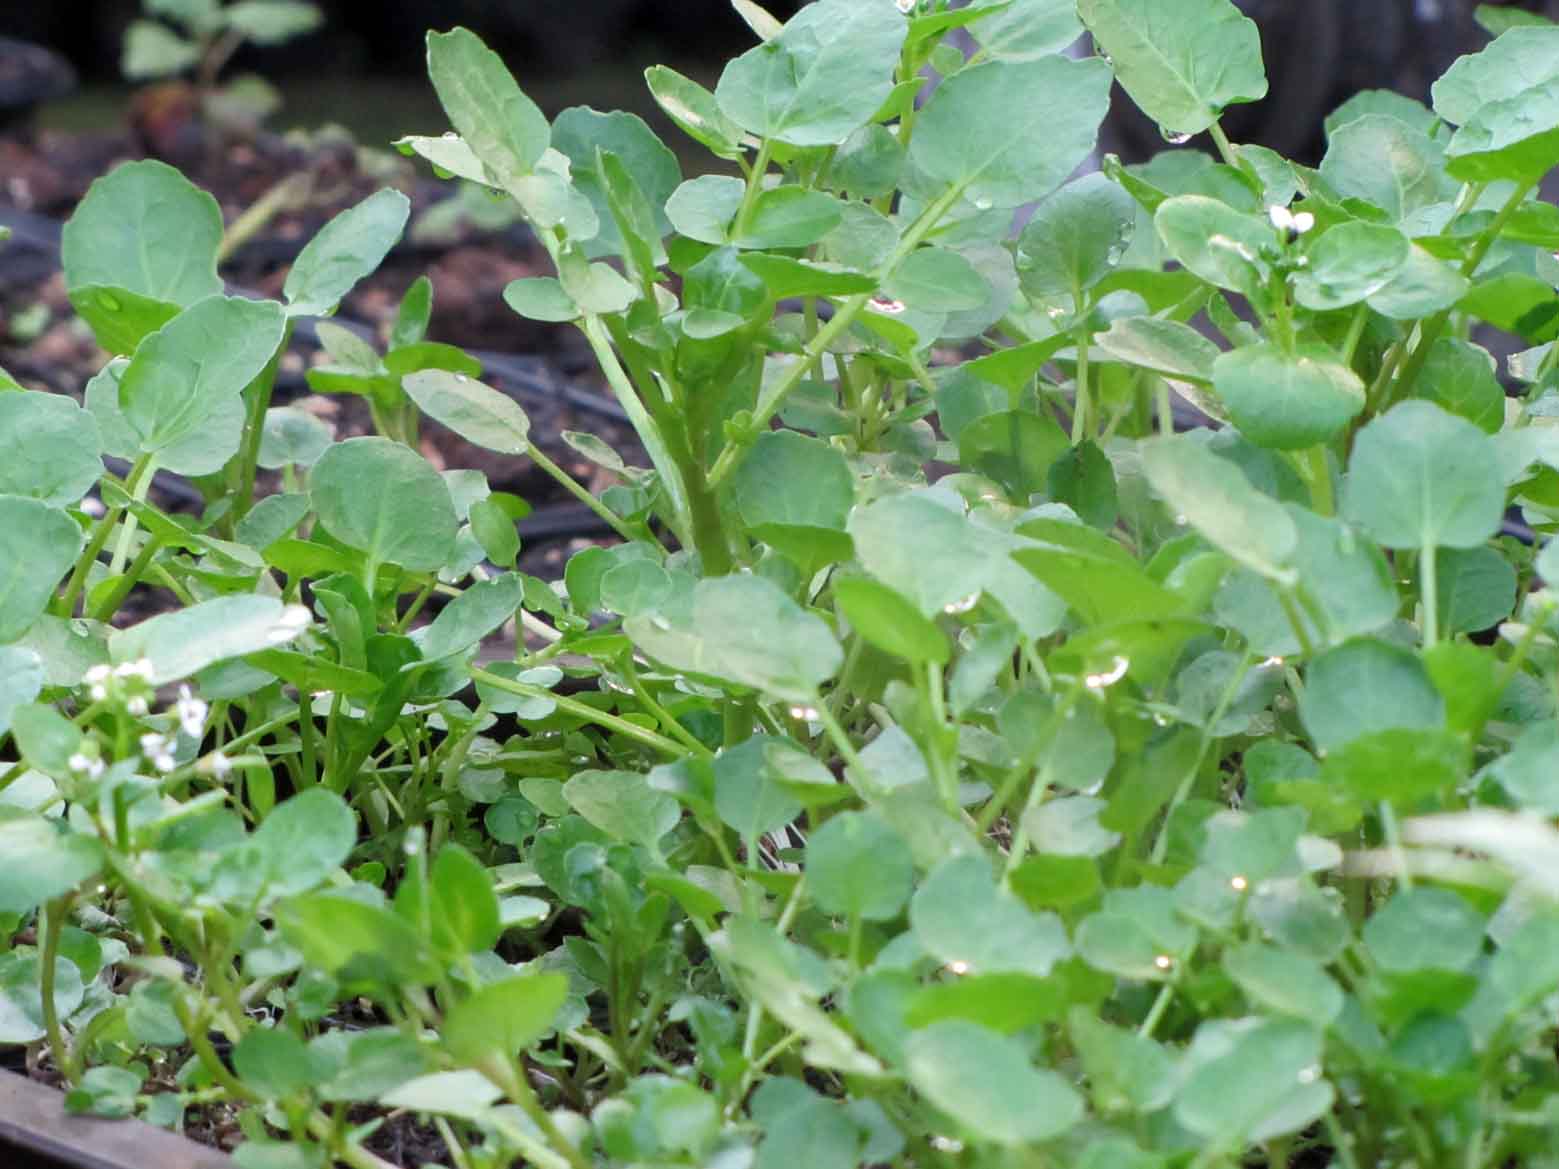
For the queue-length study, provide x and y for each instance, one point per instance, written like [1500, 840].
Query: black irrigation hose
[516, 374]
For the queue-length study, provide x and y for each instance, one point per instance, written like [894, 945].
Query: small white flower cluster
[192, 713]
[215, 765]
[88, 765]
[906, 6]
[1285, 220]
[158, 751]
[133, 679]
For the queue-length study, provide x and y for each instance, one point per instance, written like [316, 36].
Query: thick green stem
[53, 924]
[1429, 594]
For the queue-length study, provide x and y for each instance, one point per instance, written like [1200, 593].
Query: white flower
[163, 762]
[87, 765]
[905, 6]
[1285, 220]
[138, 706]
[153, 744]
[97, 675]
[98, 693]
[192, 713]
[140, 668]
[92, 506]
[216, 765]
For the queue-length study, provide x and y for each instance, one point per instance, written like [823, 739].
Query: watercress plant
[956, 762]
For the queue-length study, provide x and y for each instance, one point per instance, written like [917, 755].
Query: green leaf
[1401, 694]
[185, 641]
[1217, 500]
[1476, 589]
[475, 411]
[826, 73]
[1083, 478]
[541, 298]
[152, 49]
[1287, 400]
[181, 394]
[1424, 929]
[1075, 239]
[923, 550]
[55, 450]
[21, 680]
[292, 435]
[789, 217]
[1517, 61]
[1024, 30]
[695, 111]
[1126, 1072]
[702, 208]
[1284, 982]
[889, 622]
[38, 545]
[347, 249]
[361, 944]
[743, 629]
[43, 860]
[1496, 20]
[462, 904]
[936, 280]
[502, 126]
[789, 478]
[1424, 286]
[858, 867]
[586, 137]
[1420, 477]
[985, 1083]
[961, 916]
[141, 245]
[273, 22]
[502, 1019]
[1401, 766]
[1529, 772]
[623, 805]
[276, 1063]
[1349, 263]
[21, 995]
[1389, 164]
[384, 499]
[1221, 245]
[1345, 574]
[1248, 1080]
[1168, 348]
[1459, 377]
[462, 624]
[1181, 65]
[1006, 132]
[304, 840]
[1017, 448]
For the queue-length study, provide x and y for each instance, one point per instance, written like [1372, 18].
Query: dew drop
[1173, 138]
[982, 203]
[1309, 1075]
[803, 713]
[462, 378]
[111, 303]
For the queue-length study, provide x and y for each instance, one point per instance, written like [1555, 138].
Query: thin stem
[1429, 592]
[585, 711]
[1161, 842]
[760, 168]
[1225, 147]
[1155, 1013]
[649, 433]
[581, 493]
[258, 398]
[773, 399]
[53, 924]
[1393, 832]
[1082, 407]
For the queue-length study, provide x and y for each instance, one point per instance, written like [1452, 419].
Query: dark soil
[546, 368]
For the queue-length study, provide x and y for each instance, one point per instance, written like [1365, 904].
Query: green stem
[585, 711]
[1161, 841]
[1081, 408]
[1225, 147]
[843, 318]
[138, 487]
[110, 604]
[1393, 833]
[579, 492]
[1155, 1013]
[258, 397]
[649, 434]
[1429, 592]
[760, 168]
[53, 923]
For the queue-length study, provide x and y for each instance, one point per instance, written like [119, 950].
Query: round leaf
[1400, 693]
[986, 1084]
[858, 867]
[1287, 401]
[384, 500]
